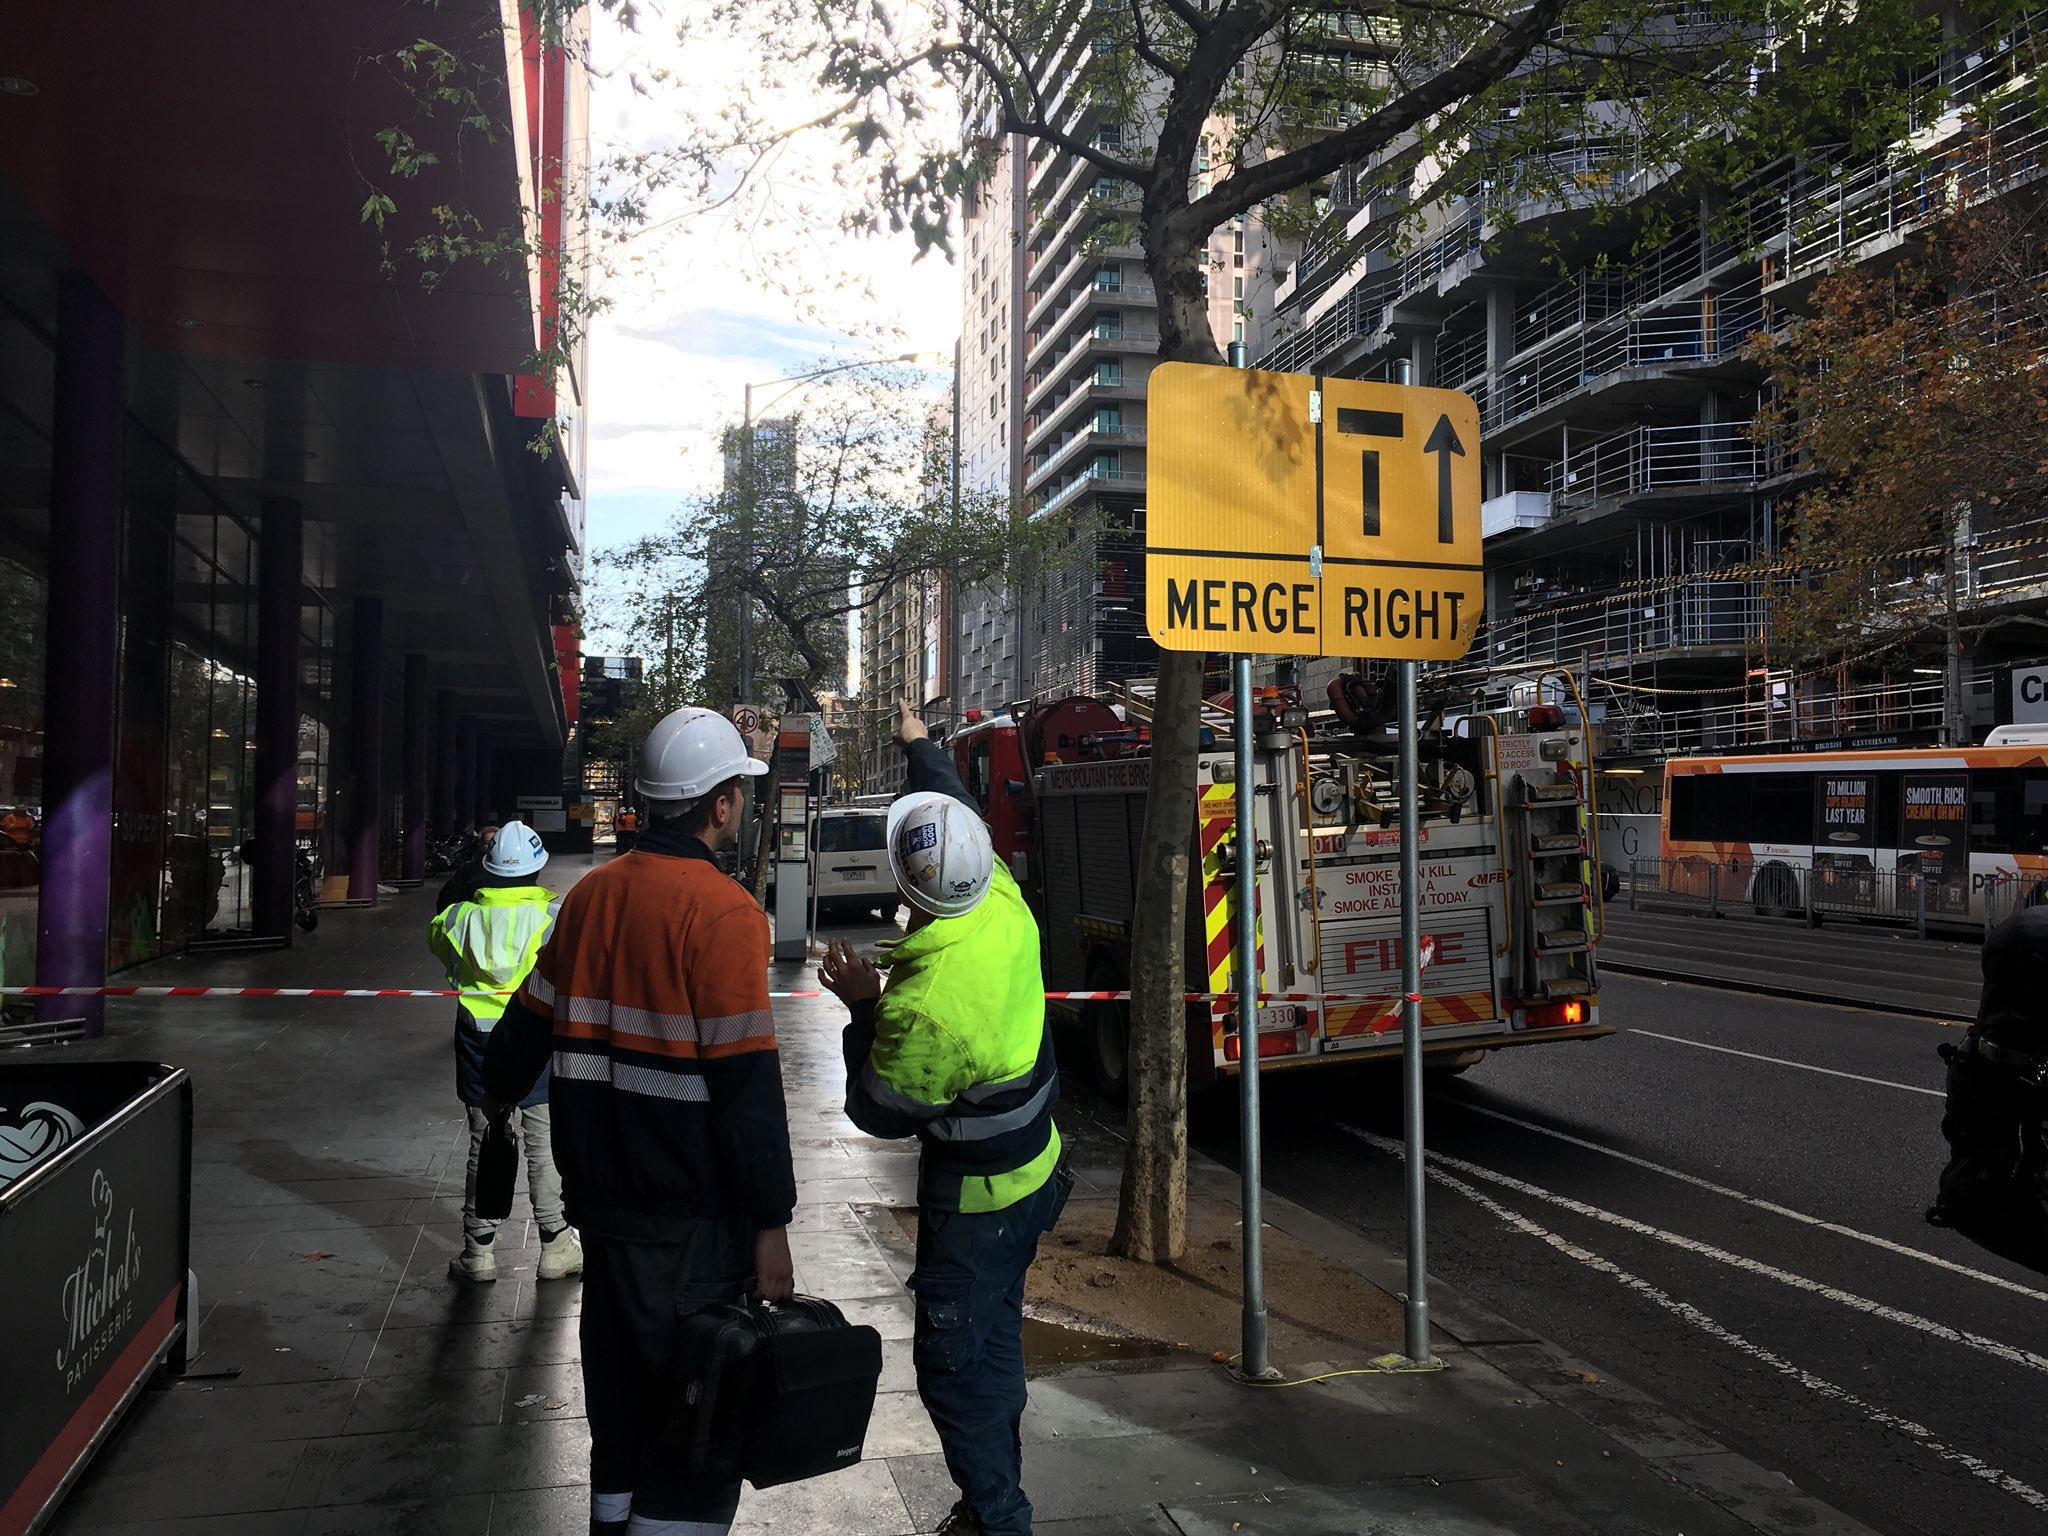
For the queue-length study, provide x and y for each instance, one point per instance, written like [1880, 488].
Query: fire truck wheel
[1108, 1027]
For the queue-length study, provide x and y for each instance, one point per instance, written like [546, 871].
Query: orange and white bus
[1863, 832]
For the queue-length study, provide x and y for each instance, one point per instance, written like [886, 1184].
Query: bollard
[1713, 890]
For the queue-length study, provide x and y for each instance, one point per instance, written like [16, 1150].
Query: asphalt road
[1655, 1202]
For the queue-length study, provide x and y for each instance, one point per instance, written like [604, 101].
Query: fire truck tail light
[1546, 717]
[1293, 1042]
[1554, 1015]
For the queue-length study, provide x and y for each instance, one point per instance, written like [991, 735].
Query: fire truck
[1509, 875]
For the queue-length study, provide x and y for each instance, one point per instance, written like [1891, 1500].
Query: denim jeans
[969, 1348]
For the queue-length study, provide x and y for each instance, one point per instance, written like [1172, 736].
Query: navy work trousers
[969, 1348]
[635, 1297]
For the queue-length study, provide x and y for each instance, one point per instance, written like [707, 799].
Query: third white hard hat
[940, 853]
[689, 753]
[516, 850]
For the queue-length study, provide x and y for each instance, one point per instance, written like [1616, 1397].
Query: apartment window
[1237, 287]
[1111, 372]
[1105, 186]
[1237, 331]
[1109, 277]
[1202, 159]
[1109, 418]
[991, 407]
[1237, 240]
[1102, 467]
[1108, 326]
[1205, 282]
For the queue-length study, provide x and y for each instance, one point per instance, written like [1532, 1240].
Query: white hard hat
[940, 853]
[689, 753]
[516, 850]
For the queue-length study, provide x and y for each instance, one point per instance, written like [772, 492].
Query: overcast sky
[692, 323]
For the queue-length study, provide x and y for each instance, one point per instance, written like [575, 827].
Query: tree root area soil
[1317, 1310]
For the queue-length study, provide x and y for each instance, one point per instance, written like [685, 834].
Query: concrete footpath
[346, 1385]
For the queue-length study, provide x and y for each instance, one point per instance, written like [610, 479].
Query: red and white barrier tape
[418, 992]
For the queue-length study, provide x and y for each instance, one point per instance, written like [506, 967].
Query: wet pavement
[345, 1385]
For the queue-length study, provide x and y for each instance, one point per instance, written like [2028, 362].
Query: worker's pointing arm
[930, 766]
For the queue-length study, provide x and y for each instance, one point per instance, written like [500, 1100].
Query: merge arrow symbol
[1443, 442]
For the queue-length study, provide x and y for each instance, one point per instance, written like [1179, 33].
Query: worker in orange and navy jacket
[649, 1004]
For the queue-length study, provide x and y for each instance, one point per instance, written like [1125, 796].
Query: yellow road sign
[1292, 514]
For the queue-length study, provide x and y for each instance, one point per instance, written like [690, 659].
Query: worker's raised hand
[908, 727]
[848, 975]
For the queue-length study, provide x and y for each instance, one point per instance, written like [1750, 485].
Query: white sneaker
[475, 1262]
[563, 1257]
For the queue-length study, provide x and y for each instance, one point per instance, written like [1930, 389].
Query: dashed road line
[1780, 1061]
[1687, 1312]
[1753, 1201]
[2009, 1353]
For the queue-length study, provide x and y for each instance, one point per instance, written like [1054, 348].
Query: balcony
[1647, 461]
[1129, 481]
[1696, 614]
[1090, 437]
[1059, 369]
[1080, 306]
[1079, 266]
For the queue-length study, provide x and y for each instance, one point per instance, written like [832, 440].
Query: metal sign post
[1252, 1362]
[1296, 515]
[1415, 1309]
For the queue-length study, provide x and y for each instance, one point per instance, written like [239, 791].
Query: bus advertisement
[1892, 834]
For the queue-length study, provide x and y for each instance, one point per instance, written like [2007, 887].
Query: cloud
[695, 316]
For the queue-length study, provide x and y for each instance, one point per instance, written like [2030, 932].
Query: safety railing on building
[1687, 615]
[1803, 214]
[1645, 460]
[1635, 723]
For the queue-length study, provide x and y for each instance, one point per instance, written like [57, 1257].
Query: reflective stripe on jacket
[650, 1005]
[957, 1051]
[488, 944]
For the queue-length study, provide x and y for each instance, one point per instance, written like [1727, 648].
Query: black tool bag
[773, 1394]
[497, 1170]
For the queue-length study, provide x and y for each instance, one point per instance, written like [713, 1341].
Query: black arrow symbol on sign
[1443, 442]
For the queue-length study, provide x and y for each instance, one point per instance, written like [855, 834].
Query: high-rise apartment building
[989, 375]
[1633, 520]
[1060, 340]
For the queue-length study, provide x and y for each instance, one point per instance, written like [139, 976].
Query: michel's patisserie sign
[92, 1269]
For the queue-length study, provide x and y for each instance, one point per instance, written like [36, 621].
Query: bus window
[1885, 826]
[1781, 809]
[1708, 807]
[2031, 834]
[1994, 809]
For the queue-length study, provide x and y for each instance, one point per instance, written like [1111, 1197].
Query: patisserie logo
[96, 1295]
[33, 1133]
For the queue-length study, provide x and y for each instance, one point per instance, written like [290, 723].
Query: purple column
[465, 782]
[365, 747]
[446, 777]
[84, 601]
[279, 571]
[413, 850]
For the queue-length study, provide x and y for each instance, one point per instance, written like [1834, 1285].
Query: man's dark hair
[697, 819]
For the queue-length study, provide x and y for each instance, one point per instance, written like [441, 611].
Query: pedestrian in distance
[956, 1051]
[650, 1005]
[625, 829]
[469, 875]
[488, 942]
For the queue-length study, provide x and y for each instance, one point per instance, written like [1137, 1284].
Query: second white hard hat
[689, 753]
[516, 850]
[940, 853]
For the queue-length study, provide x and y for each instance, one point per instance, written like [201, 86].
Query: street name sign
[1292, 514]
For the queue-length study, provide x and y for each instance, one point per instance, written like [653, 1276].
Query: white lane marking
[1689, 1313]
[1779, 1061]
[2010, 1353]
[1901, 1249]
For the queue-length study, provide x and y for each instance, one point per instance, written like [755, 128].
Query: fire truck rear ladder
[1548, 827]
